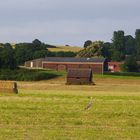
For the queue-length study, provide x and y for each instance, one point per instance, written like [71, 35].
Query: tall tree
[106, 50]
[137, 39]
[36, 42]
[7, 59]
[130, 45]
[130, 64]
[118, 46]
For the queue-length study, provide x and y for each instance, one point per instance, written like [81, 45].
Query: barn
[36, 63]
[79, 76]
[97, 65]
[114, 66]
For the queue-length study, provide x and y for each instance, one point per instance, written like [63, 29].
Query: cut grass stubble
[49, 113]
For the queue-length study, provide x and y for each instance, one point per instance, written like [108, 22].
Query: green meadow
[51, 110]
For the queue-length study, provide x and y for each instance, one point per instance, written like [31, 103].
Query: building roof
[115, 62]
[80, 73]
[38, 59]
[74, 59]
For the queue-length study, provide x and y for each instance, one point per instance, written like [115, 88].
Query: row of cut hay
[8, 87]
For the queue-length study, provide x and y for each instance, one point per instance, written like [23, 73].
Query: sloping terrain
[65, 49]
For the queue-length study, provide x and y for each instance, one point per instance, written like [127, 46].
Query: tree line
[11, 57]
[121, 48]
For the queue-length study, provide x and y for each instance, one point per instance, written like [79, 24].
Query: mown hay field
[51, 110]
[65, 49]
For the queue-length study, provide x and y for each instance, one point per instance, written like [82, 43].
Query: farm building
[114, 66]
[36, 63]
[97, 65]
[79, 76]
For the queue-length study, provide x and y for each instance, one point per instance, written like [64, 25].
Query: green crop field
[51, 110]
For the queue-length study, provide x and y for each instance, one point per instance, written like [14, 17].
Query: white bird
[89, 105]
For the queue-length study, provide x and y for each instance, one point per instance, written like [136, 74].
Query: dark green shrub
[137, 74]
[27, 75]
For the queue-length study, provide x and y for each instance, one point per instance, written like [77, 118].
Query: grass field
[51, 110]
[65, 49]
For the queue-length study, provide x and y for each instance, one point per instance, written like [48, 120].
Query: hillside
[60, 48]
[65, 48]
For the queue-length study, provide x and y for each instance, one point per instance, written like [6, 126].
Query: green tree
[40, 54]
[87, 43]
[0, 57]
[137, 39]
[118, 46]
[24, 52]
[94, 50]
[64, 54]
[36, 42]
[130, 48]
[130, 64]
[106, 50]
[7, 60]
[29, 51]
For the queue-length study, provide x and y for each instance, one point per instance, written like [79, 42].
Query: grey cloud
[62, 21]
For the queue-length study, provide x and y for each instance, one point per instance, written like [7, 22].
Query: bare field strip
[65, 49]
[103, 85]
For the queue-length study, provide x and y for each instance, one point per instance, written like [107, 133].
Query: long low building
[64, 63]
[114, 66]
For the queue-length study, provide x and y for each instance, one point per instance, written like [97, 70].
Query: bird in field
[89, 105]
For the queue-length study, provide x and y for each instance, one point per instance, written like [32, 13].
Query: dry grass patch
[65, 49]
[51, 110]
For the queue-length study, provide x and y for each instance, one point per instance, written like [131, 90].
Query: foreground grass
[56, 111]
[52, 115]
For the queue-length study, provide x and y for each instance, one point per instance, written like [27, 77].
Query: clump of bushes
[27, 75]
[123, 74]
[130, 64]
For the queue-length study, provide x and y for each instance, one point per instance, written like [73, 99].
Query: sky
[67, 22]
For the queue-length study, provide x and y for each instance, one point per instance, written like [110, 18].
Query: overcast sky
[67, 21]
